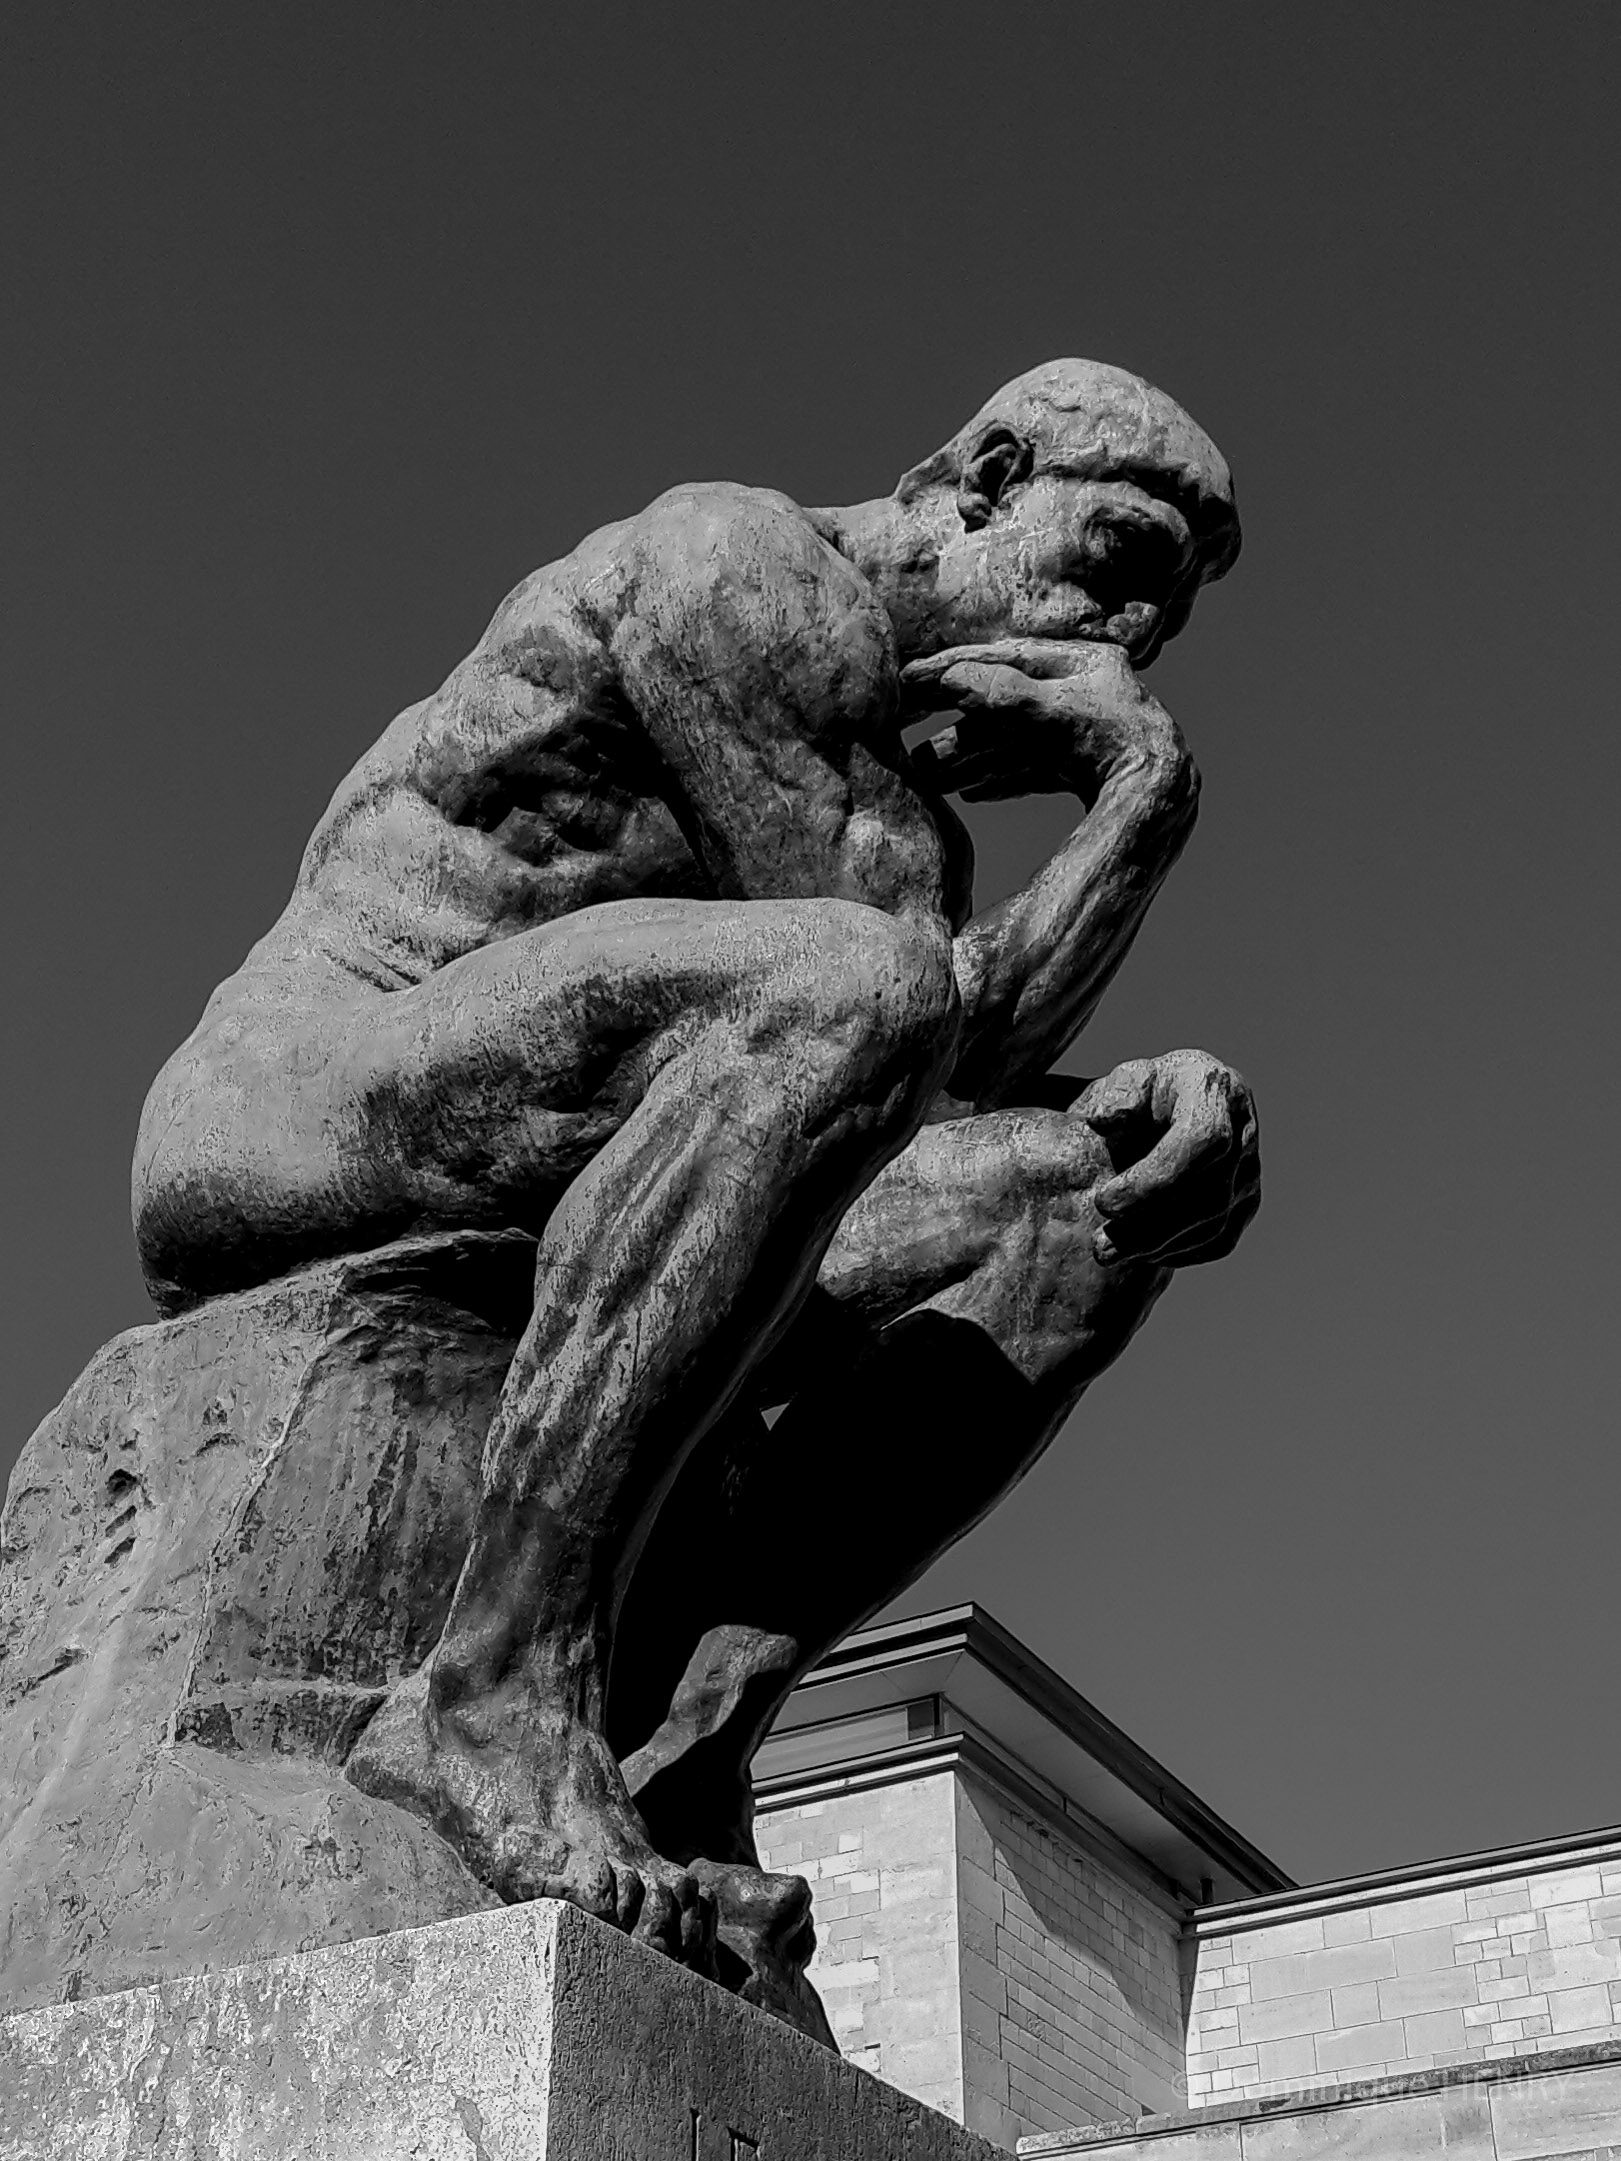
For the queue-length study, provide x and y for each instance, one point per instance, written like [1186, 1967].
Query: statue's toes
[770, 1912]
[658, 1921]
[698, 1929]
[677, 1917]
[766, 1941]
[598, 1892]
[393, 1758]
[525, 1861]
[630, 1899]
[786, 1922]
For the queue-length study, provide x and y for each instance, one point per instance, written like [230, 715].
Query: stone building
[1028, 1923]
[1004, 1881]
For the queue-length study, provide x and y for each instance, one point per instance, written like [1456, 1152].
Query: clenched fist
[1182, 1133]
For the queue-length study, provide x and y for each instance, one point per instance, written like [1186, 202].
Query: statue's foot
[765, 1941]
[527, 1831]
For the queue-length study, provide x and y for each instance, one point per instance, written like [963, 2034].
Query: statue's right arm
[1033, 967]
[764, 673]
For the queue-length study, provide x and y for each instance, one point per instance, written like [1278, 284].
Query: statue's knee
[165, 1237]
[887, 991]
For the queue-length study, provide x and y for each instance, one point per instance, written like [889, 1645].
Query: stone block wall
[1071, 1999]
[881, 1862]
[1563, 2106]
[977, 1957]
[1468, 1964]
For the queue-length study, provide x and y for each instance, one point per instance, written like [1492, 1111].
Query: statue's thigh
[553, 1019]
[309, 1115]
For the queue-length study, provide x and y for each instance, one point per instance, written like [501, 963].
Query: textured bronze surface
[646, 939]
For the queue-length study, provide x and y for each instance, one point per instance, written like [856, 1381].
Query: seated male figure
[647, 933]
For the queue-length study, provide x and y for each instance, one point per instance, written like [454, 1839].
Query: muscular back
[699, 701]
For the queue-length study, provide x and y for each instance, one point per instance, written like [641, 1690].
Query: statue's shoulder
[709, 567]
[717, 507]
[711, 530]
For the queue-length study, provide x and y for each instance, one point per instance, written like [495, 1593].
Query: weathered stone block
[238, 1529]
[1454, 2121]
[1203, 2142]
[1568, 2112]
[1560, 2107]
[531, 2034]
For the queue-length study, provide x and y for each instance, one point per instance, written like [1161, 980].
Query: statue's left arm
[1032, 969]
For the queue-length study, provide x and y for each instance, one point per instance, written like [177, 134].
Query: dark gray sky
[323, 325]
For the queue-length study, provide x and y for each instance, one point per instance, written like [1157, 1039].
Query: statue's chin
[1136, 626]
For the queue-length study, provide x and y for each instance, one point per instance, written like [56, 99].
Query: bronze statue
[648, 936]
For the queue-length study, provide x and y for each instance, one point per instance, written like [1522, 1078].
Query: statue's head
[1080, 502]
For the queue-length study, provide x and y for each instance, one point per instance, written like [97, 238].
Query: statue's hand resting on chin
[1039, 717]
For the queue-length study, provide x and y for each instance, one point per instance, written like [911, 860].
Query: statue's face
[1061, 557]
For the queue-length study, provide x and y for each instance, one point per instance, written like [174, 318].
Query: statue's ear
[999, 460]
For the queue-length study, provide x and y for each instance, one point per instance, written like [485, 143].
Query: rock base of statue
[218, 1554]
[529, 2034]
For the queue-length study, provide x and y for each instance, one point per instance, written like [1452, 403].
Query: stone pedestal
[217, 1555]
[529, 2034]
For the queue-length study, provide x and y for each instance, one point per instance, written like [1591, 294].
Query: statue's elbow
[1175, 783]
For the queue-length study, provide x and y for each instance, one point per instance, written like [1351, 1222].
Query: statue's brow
[1167, 482]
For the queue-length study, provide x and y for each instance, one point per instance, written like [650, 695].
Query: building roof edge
[969, 1629]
